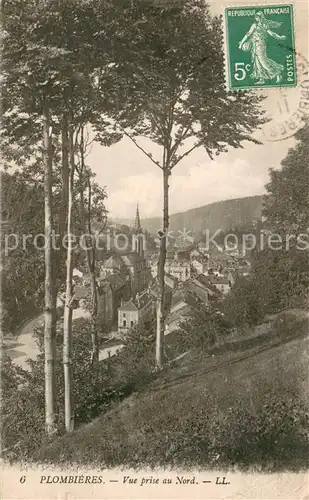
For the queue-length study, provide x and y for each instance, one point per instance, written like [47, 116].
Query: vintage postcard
[154, 249]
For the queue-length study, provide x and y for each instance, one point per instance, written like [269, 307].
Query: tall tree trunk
[161, 275]
[94, 313]
[90, 254]
[64, 175]
[91, 257]
[68, 311]
[50, 309]
[60, 249]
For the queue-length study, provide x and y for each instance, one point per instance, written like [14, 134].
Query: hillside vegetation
[239, 409]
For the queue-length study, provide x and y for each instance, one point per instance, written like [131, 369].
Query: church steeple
[137, 224]
[138, 237]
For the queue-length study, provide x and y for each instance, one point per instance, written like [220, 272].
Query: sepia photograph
[154, 249]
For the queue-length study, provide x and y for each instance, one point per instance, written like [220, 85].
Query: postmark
[289, 107]
[260, 47]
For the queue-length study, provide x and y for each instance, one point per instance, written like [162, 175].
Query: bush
[203, 329]
[278, 280]
[272, 438]
[243, 306]
[289, 324]
[300, 301]
[135, 364]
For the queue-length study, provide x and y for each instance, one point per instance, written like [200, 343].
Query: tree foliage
[204, 328]
[279, 277]
[287, 204]
[22, 248]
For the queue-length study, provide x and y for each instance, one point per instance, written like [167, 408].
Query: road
[24, 346]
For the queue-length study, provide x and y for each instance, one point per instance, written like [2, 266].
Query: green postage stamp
[260, 47]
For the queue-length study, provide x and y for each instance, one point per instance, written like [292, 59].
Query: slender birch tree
[91, 207]
[68, 307]
[50, 311]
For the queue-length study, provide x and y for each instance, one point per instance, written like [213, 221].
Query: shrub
[243, 306]
[203, 329]
[135, 363]
[289, 324]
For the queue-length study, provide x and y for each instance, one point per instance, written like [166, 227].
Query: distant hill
[219, 215]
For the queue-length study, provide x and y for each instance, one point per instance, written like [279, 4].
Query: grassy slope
[206, 413]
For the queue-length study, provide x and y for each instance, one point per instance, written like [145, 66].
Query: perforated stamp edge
[257, 4]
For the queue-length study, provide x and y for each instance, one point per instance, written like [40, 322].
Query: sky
[131, 178]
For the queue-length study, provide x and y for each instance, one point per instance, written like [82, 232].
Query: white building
[135, 312]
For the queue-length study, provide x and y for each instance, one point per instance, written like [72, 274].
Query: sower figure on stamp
[264, 68]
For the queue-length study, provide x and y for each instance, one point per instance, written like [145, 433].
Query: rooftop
[184, 295]
[201, 259]
[155, 289]
[128, 306]
[132, 258]
[114, 262]
[206, 281]
[138, 303]
[220, 280]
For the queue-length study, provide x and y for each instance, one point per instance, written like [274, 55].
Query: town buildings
[221, 283]
[179, 266]
[176, 265]
[200, 264]
[128, 288]
[186, 299]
